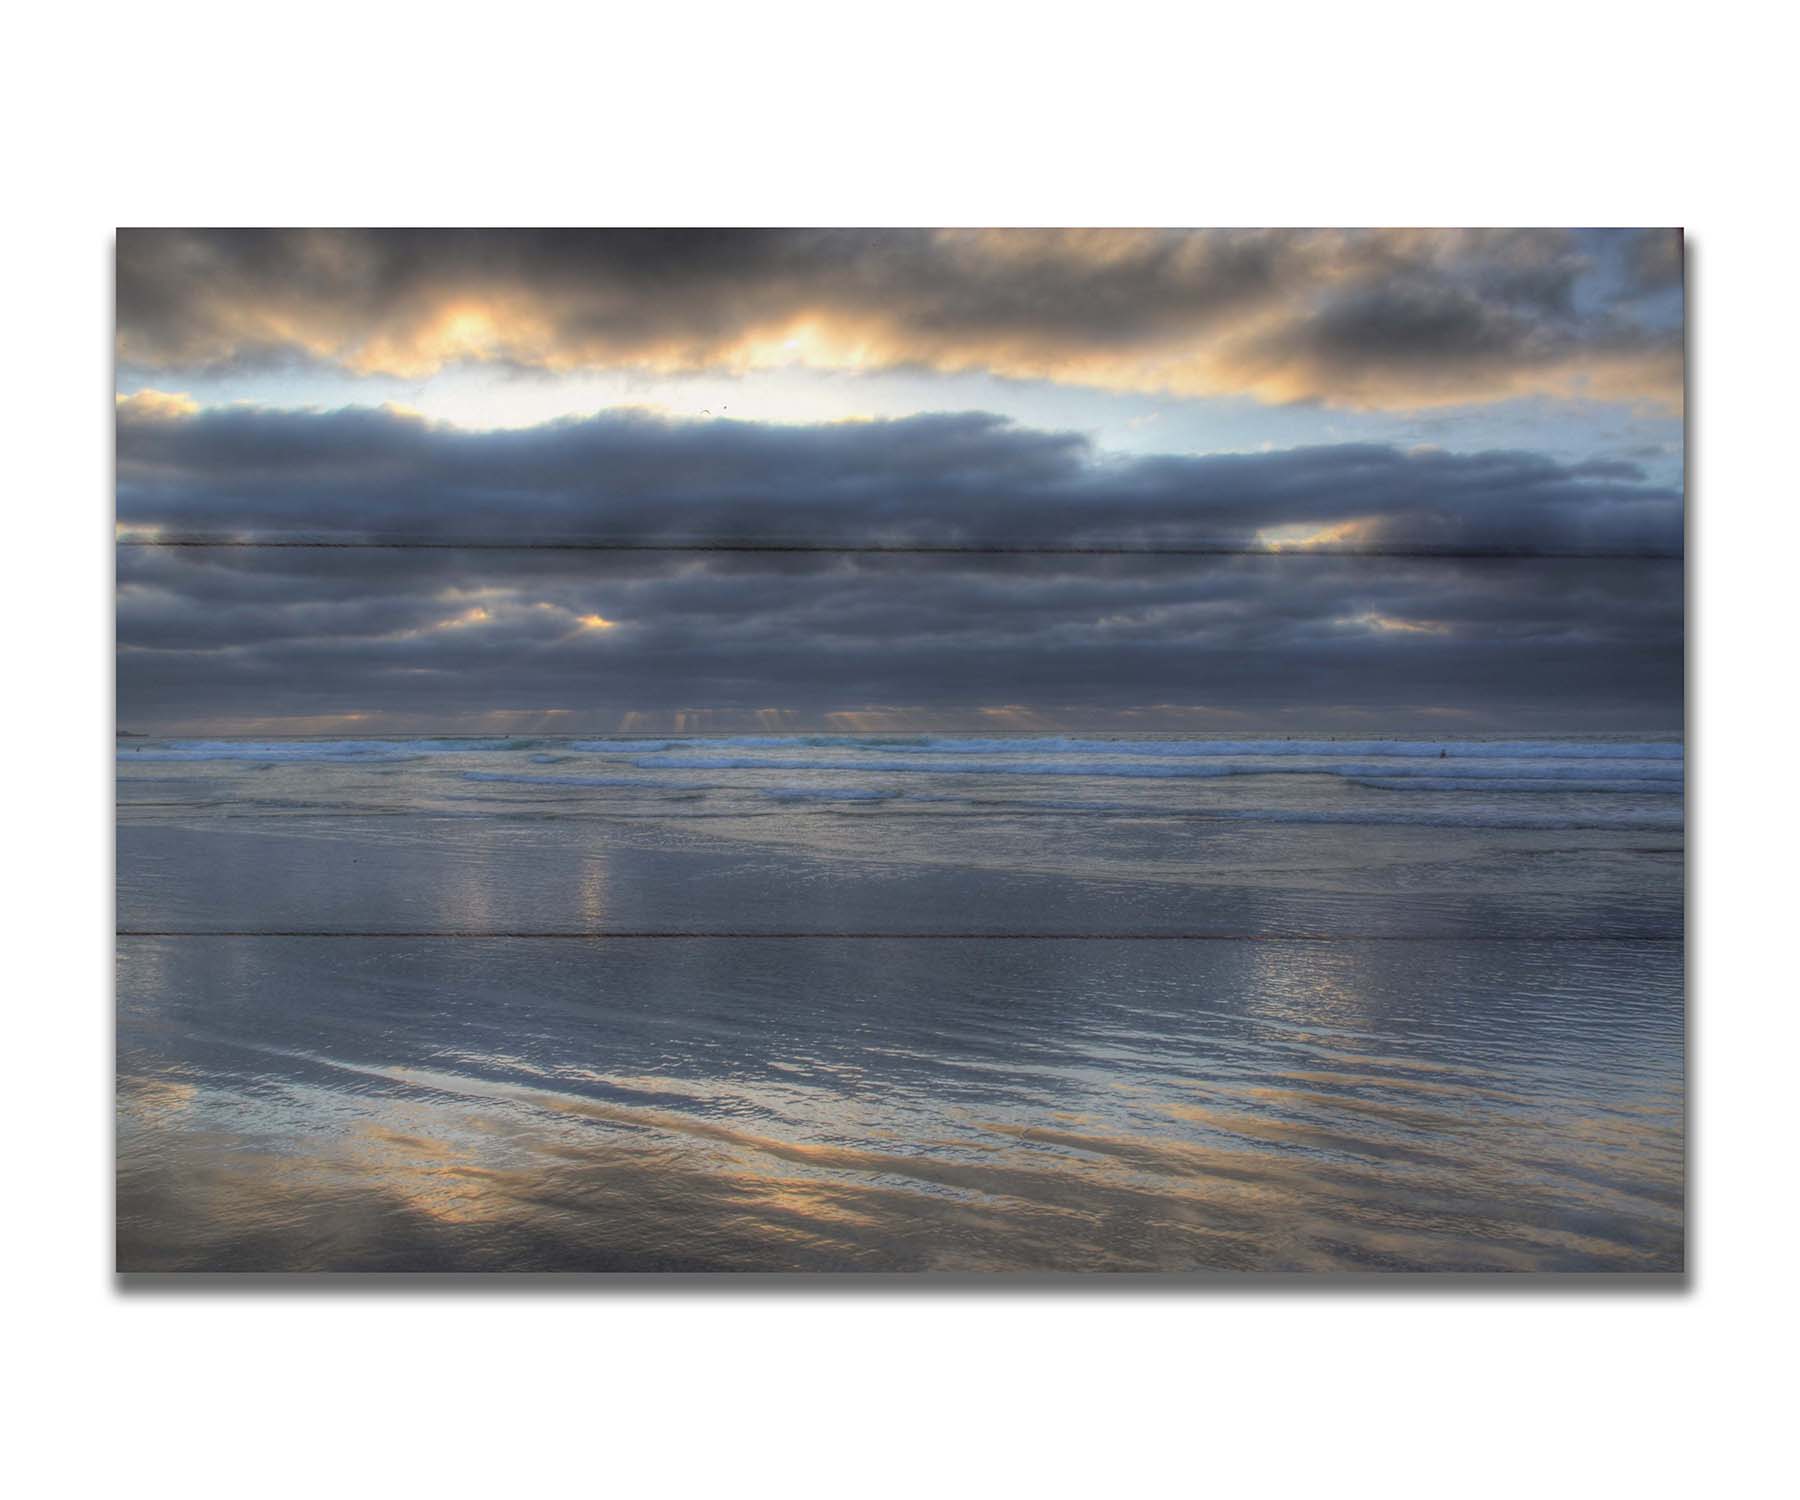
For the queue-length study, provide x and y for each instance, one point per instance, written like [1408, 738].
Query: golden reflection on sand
[500, 1173]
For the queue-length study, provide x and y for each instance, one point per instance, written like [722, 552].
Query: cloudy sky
[1240, 480]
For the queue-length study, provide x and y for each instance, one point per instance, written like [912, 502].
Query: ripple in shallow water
[950, 1106]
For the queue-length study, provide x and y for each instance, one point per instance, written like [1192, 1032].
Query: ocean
[901, 1003]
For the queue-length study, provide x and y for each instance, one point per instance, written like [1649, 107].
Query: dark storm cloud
[930, 480]
[1652, 263]
[1367, 319]
[450, 639]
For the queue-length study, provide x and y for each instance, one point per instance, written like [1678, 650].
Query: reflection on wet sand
[1101, 1106]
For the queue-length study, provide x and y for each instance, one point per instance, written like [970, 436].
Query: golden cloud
[1366, 319]
[155, 406]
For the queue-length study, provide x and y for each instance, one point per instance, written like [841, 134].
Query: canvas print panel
[975, 751]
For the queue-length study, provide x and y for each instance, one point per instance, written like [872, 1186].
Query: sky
[1285, 481]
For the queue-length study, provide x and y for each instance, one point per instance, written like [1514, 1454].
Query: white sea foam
[873, 751]
[1654, 775]
[273, 751]
[1458, 749]
[356, 751]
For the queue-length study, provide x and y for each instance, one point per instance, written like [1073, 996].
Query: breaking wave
[1651, 776]
[1656, 750]
[277, 751]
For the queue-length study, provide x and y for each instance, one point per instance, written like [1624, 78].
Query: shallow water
[1281, 1014]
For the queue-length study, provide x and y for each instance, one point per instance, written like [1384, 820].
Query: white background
[936, 114]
